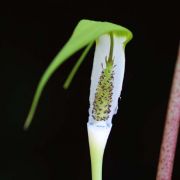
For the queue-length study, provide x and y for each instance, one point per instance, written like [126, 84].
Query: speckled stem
[171, 129]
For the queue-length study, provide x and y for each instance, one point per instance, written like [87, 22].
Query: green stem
[96, 162]
[110, 58]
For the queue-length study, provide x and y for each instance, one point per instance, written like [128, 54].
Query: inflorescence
[104, 91]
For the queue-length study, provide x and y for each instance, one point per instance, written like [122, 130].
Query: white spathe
[102, 51]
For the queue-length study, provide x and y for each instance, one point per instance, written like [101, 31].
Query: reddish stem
[168, 146]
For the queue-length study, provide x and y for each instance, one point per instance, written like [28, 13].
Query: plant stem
[168, 146]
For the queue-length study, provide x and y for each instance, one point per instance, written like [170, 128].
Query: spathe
[85, 33]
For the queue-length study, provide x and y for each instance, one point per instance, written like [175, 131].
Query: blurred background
[56, 147]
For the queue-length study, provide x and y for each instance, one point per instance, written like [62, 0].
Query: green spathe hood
[87, 31]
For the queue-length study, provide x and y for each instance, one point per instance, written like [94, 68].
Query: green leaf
[85, 33]
[76, 67]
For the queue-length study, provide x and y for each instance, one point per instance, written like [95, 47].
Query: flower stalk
[97, 142]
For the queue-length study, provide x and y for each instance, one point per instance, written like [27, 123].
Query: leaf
[86, 32]
[76, 67]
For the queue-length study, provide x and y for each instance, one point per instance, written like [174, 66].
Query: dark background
[56, 147]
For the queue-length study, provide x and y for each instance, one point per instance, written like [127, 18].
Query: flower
[106, 80]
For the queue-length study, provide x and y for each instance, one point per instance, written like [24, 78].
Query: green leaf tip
[84, 35]
[76, 67]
